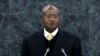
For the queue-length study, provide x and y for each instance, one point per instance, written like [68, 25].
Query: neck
[51, 30]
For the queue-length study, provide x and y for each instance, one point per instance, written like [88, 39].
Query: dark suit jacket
[34, 45]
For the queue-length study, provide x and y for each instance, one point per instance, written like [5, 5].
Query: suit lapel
[58, 44]
[40, 43]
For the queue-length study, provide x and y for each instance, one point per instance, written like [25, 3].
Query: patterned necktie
[49, 37]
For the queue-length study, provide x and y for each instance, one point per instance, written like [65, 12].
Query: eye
[48, 16]
[55, 16]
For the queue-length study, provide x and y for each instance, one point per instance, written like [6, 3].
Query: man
[51, 41]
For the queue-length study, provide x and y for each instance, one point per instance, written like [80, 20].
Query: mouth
[51, 23]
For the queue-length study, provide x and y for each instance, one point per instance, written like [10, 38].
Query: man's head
[50, 17]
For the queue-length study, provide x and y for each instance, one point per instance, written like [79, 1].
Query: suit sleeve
[77, 50]
[24, 48]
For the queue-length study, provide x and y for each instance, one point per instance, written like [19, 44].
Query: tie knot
[50, 37]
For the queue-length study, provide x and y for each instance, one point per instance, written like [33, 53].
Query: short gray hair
[48, 6]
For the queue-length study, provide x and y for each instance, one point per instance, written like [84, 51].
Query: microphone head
[48, 49]
[62, 49]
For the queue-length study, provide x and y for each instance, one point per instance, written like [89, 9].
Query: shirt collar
[46, 33]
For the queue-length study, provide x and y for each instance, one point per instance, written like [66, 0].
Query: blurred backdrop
[21, 18]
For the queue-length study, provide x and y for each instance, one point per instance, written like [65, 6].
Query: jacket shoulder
[70, 35]
[33, 36]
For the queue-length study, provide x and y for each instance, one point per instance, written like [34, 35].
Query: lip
[52, 24]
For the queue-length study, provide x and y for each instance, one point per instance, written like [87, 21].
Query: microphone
[47, 50]
[63, 51]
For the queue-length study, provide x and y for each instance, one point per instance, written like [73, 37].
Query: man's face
[51, 19]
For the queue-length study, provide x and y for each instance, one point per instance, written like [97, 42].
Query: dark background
[21, 18]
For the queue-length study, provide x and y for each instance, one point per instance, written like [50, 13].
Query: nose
[52, 18]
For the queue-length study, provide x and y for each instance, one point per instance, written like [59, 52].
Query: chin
[53, 28]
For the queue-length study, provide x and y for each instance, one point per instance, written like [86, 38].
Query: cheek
[45, 21]
[57, 21]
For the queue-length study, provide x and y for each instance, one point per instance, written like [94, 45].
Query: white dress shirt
[46, 33]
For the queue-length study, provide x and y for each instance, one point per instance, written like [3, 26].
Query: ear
[41, 20]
